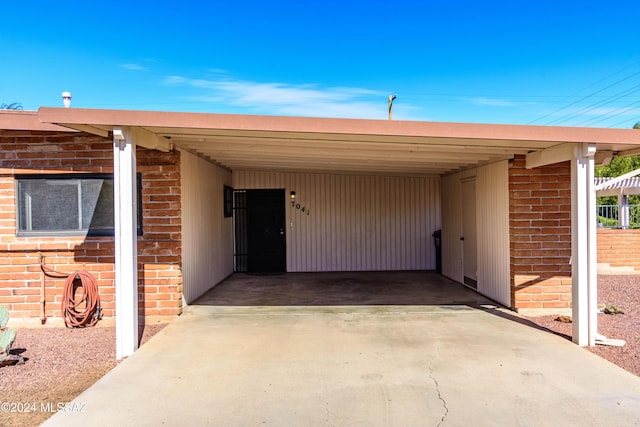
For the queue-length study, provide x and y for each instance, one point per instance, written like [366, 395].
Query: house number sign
[301, 208]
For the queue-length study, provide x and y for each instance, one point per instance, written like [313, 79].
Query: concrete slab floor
[395, 365]
[340, 289]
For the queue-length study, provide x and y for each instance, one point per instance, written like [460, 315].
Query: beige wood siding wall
[207, 237]
[492, 203]
[355, 223]
[492, 219]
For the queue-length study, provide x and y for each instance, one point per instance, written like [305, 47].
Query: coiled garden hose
[82, 312]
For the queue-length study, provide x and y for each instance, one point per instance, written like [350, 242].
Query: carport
[376, 166]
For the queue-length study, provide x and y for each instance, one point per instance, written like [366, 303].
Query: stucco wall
[159, 248]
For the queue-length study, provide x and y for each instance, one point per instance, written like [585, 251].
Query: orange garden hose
[82, 312]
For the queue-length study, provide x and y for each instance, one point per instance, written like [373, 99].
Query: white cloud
[277, 98]
[175, 80]
[133, 67]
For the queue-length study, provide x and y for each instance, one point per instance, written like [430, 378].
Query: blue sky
[574, 63]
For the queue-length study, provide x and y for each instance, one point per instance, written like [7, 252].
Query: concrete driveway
[358, 365]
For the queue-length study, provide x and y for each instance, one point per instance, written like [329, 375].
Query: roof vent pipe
[66, 99]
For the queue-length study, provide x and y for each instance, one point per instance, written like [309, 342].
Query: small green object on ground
[7, 337]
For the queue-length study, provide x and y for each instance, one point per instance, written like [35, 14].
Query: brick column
[540, 236]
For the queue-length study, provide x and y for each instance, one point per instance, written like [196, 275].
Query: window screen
[67, 204]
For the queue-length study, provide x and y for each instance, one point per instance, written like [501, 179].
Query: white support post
[126, 259]
[623, 211]
[584, 246]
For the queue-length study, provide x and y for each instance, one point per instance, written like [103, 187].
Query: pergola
[621, 187]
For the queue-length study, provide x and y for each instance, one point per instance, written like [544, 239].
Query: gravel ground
[61, 363]
[624, 293]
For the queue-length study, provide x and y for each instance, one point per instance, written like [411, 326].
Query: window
[68, 205]
[228, 202]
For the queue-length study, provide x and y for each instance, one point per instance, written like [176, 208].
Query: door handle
[462, 238]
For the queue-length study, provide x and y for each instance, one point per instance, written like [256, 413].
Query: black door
[265, 231]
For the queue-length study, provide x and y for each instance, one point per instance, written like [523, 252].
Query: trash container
[437, 240]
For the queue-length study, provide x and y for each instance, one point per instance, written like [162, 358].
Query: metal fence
[611, 216]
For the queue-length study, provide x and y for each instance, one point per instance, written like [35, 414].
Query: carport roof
[275, 143]
[11, 120]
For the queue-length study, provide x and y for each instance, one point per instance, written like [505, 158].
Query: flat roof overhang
[351, 146]
[276, 143]
[21, 120]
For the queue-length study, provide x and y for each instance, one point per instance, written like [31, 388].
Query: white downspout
[126, 259]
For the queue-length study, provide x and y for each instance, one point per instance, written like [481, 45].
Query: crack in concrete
[444, 402]
[326, 409]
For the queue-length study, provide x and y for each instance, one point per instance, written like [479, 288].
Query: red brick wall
[619, 248]
[540, 229]
[159, 248]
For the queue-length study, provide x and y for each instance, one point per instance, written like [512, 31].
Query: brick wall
[540, 229]
[159, 248]
[619, 248]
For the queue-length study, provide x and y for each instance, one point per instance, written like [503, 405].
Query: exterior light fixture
[66, 99]
[293, 195]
